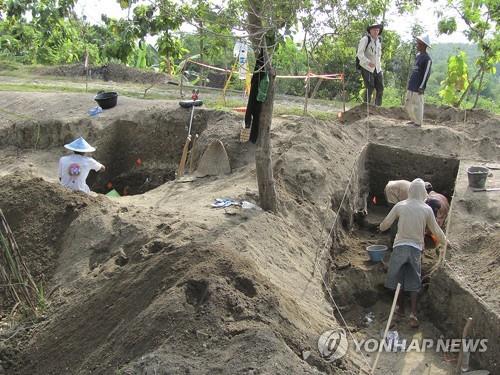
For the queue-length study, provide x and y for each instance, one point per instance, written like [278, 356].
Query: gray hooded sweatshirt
[413, 216]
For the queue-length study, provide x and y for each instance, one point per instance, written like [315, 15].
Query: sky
[425, 16]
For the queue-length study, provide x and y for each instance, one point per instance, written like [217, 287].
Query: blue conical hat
[79, 145]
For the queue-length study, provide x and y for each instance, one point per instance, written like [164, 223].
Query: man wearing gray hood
[413, 216]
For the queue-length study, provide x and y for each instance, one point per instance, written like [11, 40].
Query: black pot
[190, 103]
[106, 100]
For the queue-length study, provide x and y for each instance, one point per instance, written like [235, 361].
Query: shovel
[187, 104]
[486, 189]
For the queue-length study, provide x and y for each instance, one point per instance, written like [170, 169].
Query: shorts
[404, 268]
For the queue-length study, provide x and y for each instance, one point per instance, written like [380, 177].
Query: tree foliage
[49, 32]
[481, 18]
[456, 81]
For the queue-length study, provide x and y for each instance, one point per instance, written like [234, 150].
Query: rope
[332, 76]
[338, 77]
[318, 259]
[325, 246]
[342, 317]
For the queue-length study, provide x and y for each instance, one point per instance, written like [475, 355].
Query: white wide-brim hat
[425, 39]
[79, 145]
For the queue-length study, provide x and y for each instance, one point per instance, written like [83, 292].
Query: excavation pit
[383, 164]
[142, 155]
[445, 301]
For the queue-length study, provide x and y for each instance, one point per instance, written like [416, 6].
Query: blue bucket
[376, 252]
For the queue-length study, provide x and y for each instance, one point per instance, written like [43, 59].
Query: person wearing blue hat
[414, 103]
[368, 61]
[74, 169]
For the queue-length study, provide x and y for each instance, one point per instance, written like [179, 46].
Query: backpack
[358, 66]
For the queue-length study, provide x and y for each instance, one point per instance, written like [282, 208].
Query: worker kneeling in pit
[405, 267]
[74, 169]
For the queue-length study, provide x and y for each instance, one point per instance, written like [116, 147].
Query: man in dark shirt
[420, 75]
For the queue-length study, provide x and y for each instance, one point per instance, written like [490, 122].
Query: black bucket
[106, 100]
[477, 176]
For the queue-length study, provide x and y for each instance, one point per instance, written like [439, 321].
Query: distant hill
[441, 52]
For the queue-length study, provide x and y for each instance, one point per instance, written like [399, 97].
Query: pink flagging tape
[339, 77]
[210, 66]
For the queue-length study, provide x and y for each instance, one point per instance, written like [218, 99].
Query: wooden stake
[464, 335]
[396, 295]
[306, 97]
[343, 92]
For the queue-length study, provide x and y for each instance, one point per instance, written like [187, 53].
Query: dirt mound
[185, 287]
[108, 72]
[38, 213]
[433, 114]
[161, 282]
[226, 127]
[360, 112]
[449, 114]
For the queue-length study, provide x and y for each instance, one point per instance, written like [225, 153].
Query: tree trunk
[471, 84]
[264, 165]
[263, 161]
[316, 88]
[202, 48]
[479, 89]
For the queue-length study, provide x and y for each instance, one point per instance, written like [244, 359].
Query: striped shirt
[421, 72]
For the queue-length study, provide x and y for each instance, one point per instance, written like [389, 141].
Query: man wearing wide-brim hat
[414, 104]
[74, 169]
[369, 56]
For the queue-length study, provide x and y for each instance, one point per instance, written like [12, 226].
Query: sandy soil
[161, 283]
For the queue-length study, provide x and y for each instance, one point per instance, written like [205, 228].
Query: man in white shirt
[413, 216]
[369, 55]
[74, 168]
[396, 191]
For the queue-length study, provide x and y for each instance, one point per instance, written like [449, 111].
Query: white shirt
[396, 191]
[372, 54]
[413, 217]
[74, 169]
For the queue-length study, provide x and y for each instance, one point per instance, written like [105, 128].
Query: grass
[212, 99]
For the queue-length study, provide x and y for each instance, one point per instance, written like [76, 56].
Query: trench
[143, 154]
[358, 284]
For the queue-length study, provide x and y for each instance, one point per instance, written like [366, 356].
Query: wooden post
[343, 92]
[307, 86]
[181, 86]
[86, 67]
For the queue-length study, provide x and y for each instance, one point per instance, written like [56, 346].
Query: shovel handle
[191, 154]
[182, 164]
